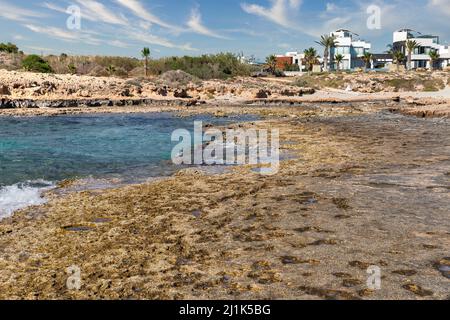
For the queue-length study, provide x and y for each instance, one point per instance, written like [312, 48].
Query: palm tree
[367, 58]
[146, 54]
[410, 46]
[271, 62]
[399, 57]
[390, 49]
[338, 58]
[311, 58]
[327, 42]
[434, 56]
[111, 69]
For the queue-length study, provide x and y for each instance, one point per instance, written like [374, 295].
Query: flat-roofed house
[426, 44]
[290, 59]
[283, 61]
[351, 47]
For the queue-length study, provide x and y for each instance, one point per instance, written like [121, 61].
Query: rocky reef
[363, 187]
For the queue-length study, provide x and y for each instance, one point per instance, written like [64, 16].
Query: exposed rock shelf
[72, 103]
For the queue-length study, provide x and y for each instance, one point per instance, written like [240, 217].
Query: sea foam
[22, 195]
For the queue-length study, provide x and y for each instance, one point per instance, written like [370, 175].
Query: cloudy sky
[193, 27]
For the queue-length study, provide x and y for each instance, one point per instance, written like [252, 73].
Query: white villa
[427, 43]
[351, 47]
[297, 58]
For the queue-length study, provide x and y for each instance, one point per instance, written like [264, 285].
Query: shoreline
[240, 235]
[92, 181]
[420, 104]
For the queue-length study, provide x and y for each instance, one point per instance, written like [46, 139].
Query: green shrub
[319, 81]
[91, 65]
[214, 66]
[72, 69]
[35, 63]
[176, 78]
[9, 47]
[291, 67]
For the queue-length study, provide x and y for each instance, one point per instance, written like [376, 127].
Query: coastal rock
[181, 93]
[162, 91]
[262, 94]
[84, 93]
[4, 90]
[125, 93]
[288, 93]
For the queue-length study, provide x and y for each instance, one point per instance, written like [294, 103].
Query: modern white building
[444, 52]
[247, 59]
[297, 58]
[351, 47]
[427, 43]
[291, 58]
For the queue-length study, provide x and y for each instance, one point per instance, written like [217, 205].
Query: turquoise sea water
[36, 152]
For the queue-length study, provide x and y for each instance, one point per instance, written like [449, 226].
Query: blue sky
[193, 27]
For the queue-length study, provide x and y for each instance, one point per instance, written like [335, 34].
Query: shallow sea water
[37, 152]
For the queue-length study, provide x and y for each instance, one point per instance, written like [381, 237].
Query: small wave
[22, 195]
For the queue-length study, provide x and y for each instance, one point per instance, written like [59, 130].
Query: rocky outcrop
[262, 94]
[372, 82]
[428, 111]
[4, 90]
[26, 85]
[181, 93]
[72, 103]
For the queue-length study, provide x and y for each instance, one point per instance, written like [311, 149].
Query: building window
[342, 50]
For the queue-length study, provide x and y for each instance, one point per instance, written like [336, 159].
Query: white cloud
[145, 25]
[18, 37]
[101, 12]
[11, 12]
[84, 13]
[331, 7]
[138, 10]
[285, 45]
[295, 4]
[277, 13]
[63, 34]
[155, 40]
[195, 24]
[118, 43]
[245, 31]
[54, 32]
[441, 5]
[92, 11]
[40, 49]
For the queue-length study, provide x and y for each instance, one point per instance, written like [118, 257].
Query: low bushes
[35, 63]
[176, 78]
[9, 48]
[205, 67]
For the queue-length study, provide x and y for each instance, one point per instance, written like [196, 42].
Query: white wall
[400, 36]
